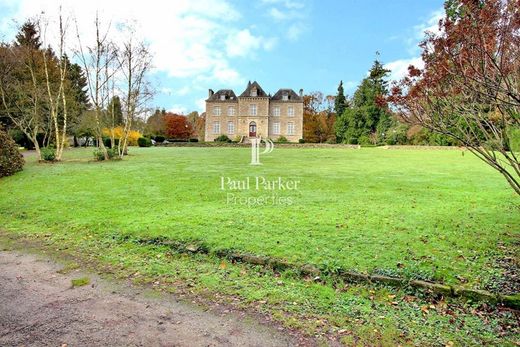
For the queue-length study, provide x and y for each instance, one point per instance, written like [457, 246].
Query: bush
[301, 141]
[194, 140]
[331, 140]
[107, 142]
[282, 139]
[100, 156]
[11, 160]
[159, 139]
[48, 153]
[223, 138]
[364, 140]
[144, 142]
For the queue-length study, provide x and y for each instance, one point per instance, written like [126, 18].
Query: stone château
[254, 114]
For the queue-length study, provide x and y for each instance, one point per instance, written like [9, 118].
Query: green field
[426, 214]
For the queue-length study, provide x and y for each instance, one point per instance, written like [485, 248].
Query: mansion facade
[254, 114]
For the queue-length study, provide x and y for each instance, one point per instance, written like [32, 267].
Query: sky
[222, 44]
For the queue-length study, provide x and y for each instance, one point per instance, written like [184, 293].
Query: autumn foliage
[177, 126]
[318, 118]
[118, 133]
[469, 86]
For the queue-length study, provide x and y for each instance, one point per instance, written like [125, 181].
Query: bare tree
[98, 63]
[21, 91]
[135, 61]
[57, 98]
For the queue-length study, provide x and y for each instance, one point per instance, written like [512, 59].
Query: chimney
[210, 93]
[301, 92]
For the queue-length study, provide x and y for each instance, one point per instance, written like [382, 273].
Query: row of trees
[176, 127]
[467, 93]
[47, 98]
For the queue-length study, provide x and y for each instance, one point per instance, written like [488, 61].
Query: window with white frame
[276, 111]
[285, 97]
[222, 97]
[231, 128]
[216, 127]
[231, 111]
[216, 111]
[252, 110]
[254, 92]
[290, 128]
[290, 111]
[276, 128]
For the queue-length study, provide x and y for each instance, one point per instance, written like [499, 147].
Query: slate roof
[228, 94]
[259, 91]
[291, 95]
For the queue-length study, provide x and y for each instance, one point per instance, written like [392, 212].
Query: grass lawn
[426, 214]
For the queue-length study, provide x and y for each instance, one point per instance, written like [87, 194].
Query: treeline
[162, 125]
[95, 93]
[365, 118]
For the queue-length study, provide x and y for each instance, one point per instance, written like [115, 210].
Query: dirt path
[39, 307]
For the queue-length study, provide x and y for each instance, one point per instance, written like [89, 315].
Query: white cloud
[431, 25]
[295, 31]
[201, 105]
[242, 43]
[399, 68]
[290, 4]
[277, 14]
[178, 109]
[185, 37]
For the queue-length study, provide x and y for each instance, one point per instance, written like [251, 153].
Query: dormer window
[223, 97]
[254, 92]
[285, 97]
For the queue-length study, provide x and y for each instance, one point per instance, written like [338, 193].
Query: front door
[252, 129]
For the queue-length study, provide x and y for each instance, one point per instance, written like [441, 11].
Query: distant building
[254, 114]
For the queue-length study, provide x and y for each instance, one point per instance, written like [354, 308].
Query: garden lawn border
[308, 270]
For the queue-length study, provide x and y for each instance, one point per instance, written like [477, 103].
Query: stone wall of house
[264, 118]
[261, 119]
[223, 119]
[284, 119]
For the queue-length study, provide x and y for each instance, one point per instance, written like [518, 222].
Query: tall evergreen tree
[28, 36]
[362, 120]
[78, 85]
[115, 111]
[340, 103]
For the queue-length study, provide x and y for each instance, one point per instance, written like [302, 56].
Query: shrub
[159, 139]
[223, 138]
[118, 133]
[364, 140]
[282, 139]
[144, 142]
[237, 139]
[301, 141]
[331, 140]
[194, 140]
[107, 142]
[100, 156]
[11, 160]
[48, 153]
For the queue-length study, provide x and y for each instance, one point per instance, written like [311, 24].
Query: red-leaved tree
[469, 86]
[177, 127]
